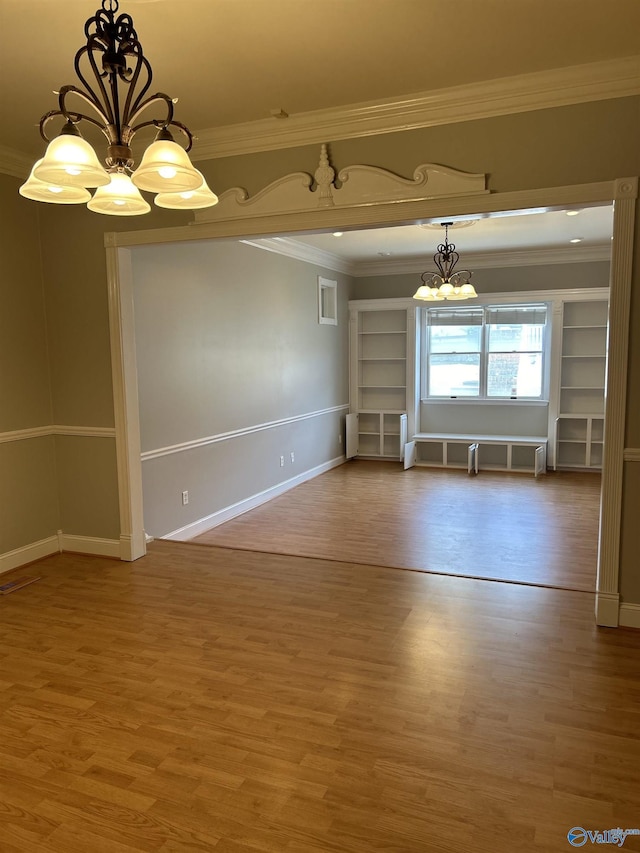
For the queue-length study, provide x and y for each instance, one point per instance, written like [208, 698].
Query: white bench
[472, 459]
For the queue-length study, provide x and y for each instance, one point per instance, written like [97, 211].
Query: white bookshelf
[379, 395]
[580, 421]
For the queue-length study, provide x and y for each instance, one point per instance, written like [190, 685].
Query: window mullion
[484, 361]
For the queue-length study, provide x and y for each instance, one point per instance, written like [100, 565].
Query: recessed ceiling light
[576, 240]
[338, 233]
[385, 254]
[573, 212]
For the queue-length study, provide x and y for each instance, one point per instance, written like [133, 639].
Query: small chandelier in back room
[448, 283]
[117, 97]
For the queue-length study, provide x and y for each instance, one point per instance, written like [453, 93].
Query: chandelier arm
[104, 102]
[131, 110]
[153, 99]
[73, 115]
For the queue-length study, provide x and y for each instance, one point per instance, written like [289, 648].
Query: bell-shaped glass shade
[189, 199]
[70, 161]
[457, 294]
[166, 168]
[469, 290]
[40, 191]
[120, 198]
[427, 294]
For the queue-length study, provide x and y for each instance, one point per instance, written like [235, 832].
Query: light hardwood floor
[207, 699]
[497, 526]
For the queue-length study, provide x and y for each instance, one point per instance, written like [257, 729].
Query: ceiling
[550, 232]
[252, 57]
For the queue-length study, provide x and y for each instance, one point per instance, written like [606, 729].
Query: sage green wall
[227, 338]
[498, 280]
[28, 499]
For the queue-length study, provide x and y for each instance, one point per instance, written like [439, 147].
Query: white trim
[236, 433]
[29, 553]
[86, 432]
[381, 214]
[576, 84]
[489, 260]
[40, 432]
[303, 252]
[625, 193]
[607, 609]
[631, 454]
[25, 434]
[580, 294]
[189, 531]
[630, 615]
[125, 401]
[88, 545]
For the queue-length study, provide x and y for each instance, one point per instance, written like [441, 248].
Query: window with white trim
[492, 352]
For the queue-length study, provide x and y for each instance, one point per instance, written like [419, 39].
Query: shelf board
[572, 441]
[395, 358]
[582, 415]
[389, 332]
[381, 411]
[593, 326]
[395, 387]
[592, 355]
[582, 387]
[368, 432]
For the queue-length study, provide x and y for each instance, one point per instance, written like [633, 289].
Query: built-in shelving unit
[580, 422]
[379, 397]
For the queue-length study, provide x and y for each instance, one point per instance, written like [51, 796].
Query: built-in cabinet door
[352, 436]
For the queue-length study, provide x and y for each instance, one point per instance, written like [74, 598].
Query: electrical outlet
[293, 456]
[339, 438]
[282, 461]
[185, 498]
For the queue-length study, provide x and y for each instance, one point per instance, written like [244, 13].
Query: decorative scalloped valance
[356, 186]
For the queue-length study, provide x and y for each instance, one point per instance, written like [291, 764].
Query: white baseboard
[607, 609]
[89, 545]
[29, 553]
[195, 528]
[630, 615]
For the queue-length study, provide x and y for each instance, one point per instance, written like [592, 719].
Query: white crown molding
[488, 260]
[14, 163]
[574, 294]
[303, 252]
[616, 78]
[299, 250]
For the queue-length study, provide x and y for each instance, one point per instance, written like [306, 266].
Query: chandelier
[120, 76]
[446, 284]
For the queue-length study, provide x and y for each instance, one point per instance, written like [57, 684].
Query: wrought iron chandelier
[120, 77]
[448, 283]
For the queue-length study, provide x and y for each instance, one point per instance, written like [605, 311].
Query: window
[327, 301]
[492, 352]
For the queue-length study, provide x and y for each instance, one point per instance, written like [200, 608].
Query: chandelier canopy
[120, 76]
[448, 283]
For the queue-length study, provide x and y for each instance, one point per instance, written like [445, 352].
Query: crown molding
[576, 84]
[489, 260]
[486, 260]
[303, 252]
[14, 163]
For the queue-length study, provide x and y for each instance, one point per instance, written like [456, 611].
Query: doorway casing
[622, 192]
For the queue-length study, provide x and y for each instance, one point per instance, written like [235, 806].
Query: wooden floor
[206, 699]
[496, 526]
